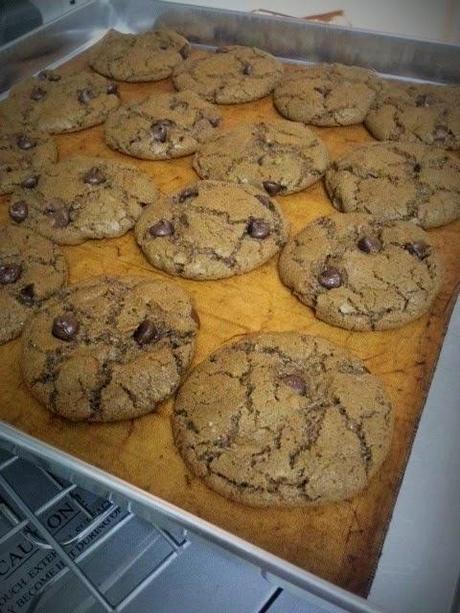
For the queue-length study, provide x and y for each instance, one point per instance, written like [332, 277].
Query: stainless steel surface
[294, 40]
[160, 512]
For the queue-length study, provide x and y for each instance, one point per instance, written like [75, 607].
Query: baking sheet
[339, 542]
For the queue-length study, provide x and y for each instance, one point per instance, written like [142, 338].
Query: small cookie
[283, 419]
[279, 156]
[109, 348]
[417, 113]
[149, 56]
[58, 103]
[397, 181]
[326, 94]
[360, 273]
[230, 75]
[23, 154]
[83, 198]
[32, 269]
[212, 230]
[162, 127]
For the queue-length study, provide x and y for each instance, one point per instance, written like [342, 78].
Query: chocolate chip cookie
[23, 154]
[404, 181]
[163, 126]
[230, 75]
[360, 273]
[58, 103]
[283, 419]
[109, 348]
[32, 269]
[326, 94]
[83, 198]
[279, 156]
[212, 230]
[149, 56]
[417, 113]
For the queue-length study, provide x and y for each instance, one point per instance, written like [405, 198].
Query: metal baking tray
[291, 39]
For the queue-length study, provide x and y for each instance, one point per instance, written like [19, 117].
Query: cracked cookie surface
[163, 126]
[422, 113]
[83, 198]
[58, 103]
[109, 348]
[23, 154]
[230, 75]
[360, 273]
[280, 156]
[212, 230]
[397, 181]
[283, 419]
[32, 269]
[326, 94]
[149, 56]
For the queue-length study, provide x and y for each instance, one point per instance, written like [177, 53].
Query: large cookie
[360, 273]
[279, 156]
[149, 56]
[212, 230]
[109, 348]
[163, 126]
[23, 154]
[57, 103]
[326, 94]
[32, 269]
[230, 75]
[82, 198]
[283, 419]
[417, 113]
[404, 181]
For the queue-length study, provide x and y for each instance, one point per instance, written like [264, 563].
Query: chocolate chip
[18, 211]
[37, 93]
[25, 142]
[30, 182]
[188, 192]
[194, 315]
[418, 248]
[247, 69]
[161, 228]
[296, 383]
[440, 133]
[112, 88]
[145, 333]
[10, 273]
[27, 294]
[330, 277]
[94, 176]
[85, 95]
[369, 244]
[159, 130]
[258, 228]
[214, 121]
[417, 168]
[185, 51]
[61, 218]
[65, 327]
[272, 188]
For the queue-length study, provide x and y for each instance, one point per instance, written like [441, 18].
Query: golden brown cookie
[360, 273]
[109, 348]
[397, 181]
[148, 56]
[283, 419]
[212, 230]
[279, 156]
